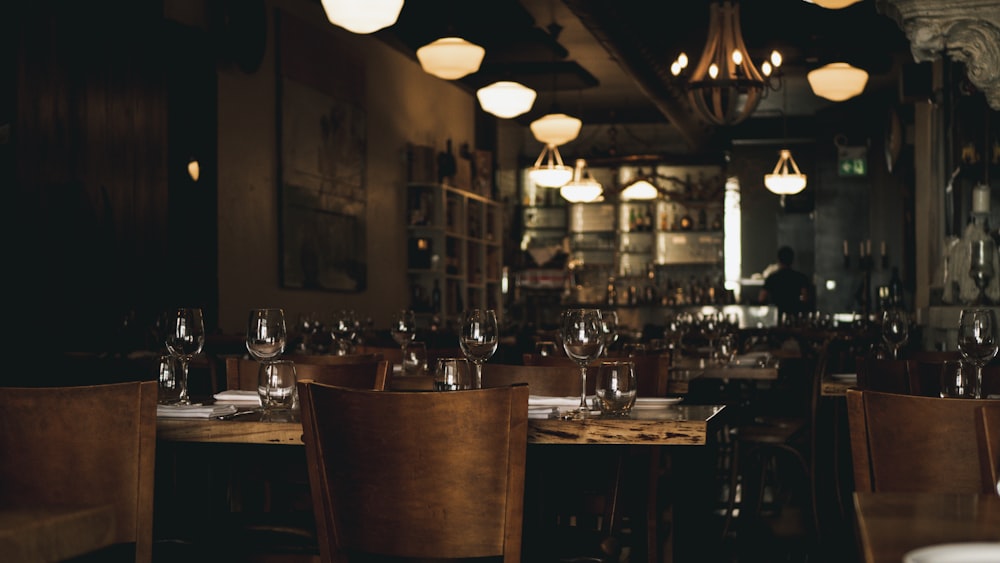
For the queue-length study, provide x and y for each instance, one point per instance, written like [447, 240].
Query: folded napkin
[194, 411]
[237, 396]
[544, 401]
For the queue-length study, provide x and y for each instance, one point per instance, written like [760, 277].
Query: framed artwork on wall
[322, 141]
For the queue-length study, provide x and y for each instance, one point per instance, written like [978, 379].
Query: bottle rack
[454, 243]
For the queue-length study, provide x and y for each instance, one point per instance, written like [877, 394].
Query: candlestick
[869, 249]
[845, 247]
[883, 248]
[861, 253]
[981, 199]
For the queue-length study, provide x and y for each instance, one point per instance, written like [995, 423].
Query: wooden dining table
[890, 525]
[673, 425]
[54, 533]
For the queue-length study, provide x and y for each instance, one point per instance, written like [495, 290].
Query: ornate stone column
[967, 31]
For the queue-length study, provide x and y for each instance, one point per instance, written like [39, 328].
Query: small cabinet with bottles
[455, 257]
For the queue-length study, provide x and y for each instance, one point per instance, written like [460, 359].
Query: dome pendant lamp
[362, 16]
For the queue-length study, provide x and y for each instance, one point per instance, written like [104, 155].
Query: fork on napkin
[194, 411]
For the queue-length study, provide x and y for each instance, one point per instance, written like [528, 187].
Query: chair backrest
[419, 475]
[881, 374]
[910, 443]
[82, 446]
[372, 373]
[988, 433]
[552, 381]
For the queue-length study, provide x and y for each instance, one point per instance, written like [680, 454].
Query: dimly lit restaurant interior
[552, 281]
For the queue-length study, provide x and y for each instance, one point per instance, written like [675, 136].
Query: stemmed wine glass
[478, 340]
[343, 328]
[266, 333]
[978, 341]
[583, 339]
[403, 328]
[609, 324]
[895, 330]
[185, 338]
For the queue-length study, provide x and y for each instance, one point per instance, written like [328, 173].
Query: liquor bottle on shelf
[687, 223]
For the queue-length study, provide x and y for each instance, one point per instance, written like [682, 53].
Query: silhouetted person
[788, 289]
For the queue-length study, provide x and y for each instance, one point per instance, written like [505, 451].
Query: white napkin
[237, 396]
[194, 411]
[544, 401]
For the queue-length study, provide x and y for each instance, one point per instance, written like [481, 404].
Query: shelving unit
[455, 257]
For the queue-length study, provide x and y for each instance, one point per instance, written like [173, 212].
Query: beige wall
[248, 221]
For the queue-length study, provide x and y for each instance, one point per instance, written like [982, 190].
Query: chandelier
[726, 87]
[549, 170]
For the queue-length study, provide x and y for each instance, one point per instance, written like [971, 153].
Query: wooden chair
[360, 372]
[988, 435]
[86, 446]
[592, 498]
[547, 380]
[910, 443]
[423, 475]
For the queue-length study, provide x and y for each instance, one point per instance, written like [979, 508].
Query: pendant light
[786, 178]
[450, 58]
[582, 188]
[506, 99]
[556, 128]
[837, 81]
[549, 170]
[833, 4]
[362, 16]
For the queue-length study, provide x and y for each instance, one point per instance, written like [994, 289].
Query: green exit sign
[852, 161]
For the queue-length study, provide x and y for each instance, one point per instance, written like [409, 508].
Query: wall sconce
[781, 181]
[726, 87]
[582, 188]
[549, 170]
[556, 128]
[506, 99]
[362, 16]
[837, 81]
[450, 58]
[194, 169]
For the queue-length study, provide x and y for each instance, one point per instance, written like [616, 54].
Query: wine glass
[266, 333]
[978, 341]
[583, 339]
[403, 328]
[479, 339]
[895, 330]
[185, 338]
[343, 328]
[609, 324]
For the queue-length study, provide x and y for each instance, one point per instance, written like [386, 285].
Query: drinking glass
[168, 384]
[266, 335]
[343, 329]
[185, 338]
[583, 340]
[895, 330]
[478, 339]
[451, 374]
[616, 387]
[728, 347]
[957, 380]
[403, 328]
[711, 327]
[981, 266]
[415, 361]
[977, 340]
[276, 385]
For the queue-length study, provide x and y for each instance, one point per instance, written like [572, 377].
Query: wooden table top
[831, 387]
[688, 425]
[893, 524]
[54, 533]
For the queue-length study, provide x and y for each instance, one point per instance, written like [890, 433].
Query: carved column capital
[968, 31]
